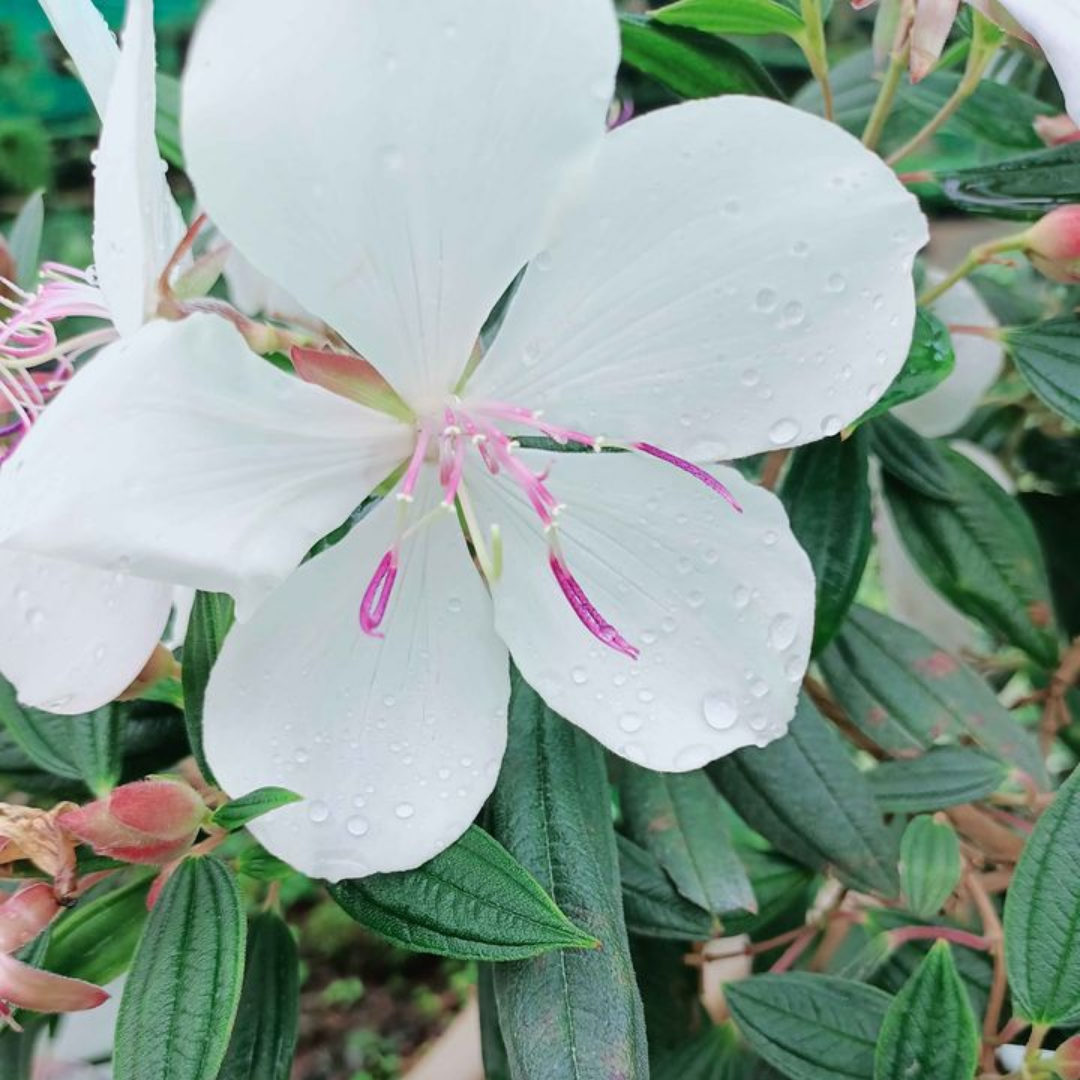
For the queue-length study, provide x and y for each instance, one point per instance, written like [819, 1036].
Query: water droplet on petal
[784, 431]
[837, 283]
[580, 676]
[766, 300]
[831, 425]
[782, 632]
[318, 812]
[721, 712]
[357, 826]
[630, 722]
[404, 810]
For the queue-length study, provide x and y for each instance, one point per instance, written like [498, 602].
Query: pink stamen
[695, 471]
[377, 594]
[590, 618]
[416, 463]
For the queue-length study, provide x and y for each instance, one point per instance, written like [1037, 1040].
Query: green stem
[985, 42]
[812, 43]
[899, 57]
[978, 256]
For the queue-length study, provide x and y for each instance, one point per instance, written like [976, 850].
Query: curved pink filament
[584, 609]
[377, 594]
[695, 471]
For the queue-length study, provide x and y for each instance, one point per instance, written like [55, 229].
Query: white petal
[978, 363]
[180, 456]
[720, 604]
[740, 280]
[394, 743]
[137, 224]
[1055, 24]
[405, 162]
[255, 294]
[88, 41]
[73, 638]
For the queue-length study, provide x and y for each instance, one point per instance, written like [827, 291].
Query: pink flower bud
[149, 822]
[1057, 130]
[31, 988]
[1067, 1059]
[1053, 245]
[24, 915]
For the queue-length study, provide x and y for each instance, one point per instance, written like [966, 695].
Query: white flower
[715, 279]
[73, 637]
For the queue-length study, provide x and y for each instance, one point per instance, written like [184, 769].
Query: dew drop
[444, 774]
[837, 283]
[784, 431]
[357, 826]
[635, 753]
[741, 596]
[301, 756]
[782, 632]
[750, 377]
[769, 538]
[100, 653]
[800, 248]
[696, 599]
[404, 810]
[645, 696]
[318, 812]
[720, 711]
[580, 676]
[831, 425]
[794, 313]
[766, 300]
[630, 722]
[794, 668]
[759, 688]
[34, 617]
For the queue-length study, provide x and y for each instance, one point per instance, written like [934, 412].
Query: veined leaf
[930, 865]
[567, 1015]
[753, 17]
[239, 812]
[211, 617]
[942, 777]
[184, 986]
[473, 901]
[908, 458]
[651, 903]
[1048, 356]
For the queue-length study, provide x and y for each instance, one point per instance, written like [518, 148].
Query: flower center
[444, 439]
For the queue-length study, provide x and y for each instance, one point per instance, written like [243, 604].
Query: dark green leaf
[944, 776]
[1042, 915]
[264, 1037]
[930, 865]
[1026, 187]
[567, 1015]
[904, 693]
[810, 1027]
[651, 903]
[929, 1029]
[805, 794]
[980, 551]
[783, 889]
[96, 940]
[1048, 356]
[238, 813]
[732, 17]
[473, 901]
[909, 459]
[492, 1047]
[717, 1053]
[183, 989]
[211, 617]
[930, 360]
[85, 748]
[827, 495]
[679, 818]
[692, 64]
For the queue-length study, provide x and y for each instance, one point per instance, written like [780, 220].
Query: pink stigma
[695, 471]
[377, 594]
[583, 607]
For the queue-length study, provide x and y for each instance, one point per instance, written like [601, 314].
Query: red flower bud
[1053, 245]
[1067, 1059]
[24, 915]
[149, 822]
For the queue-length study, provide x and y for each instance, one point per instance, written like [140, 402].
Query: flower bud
[1057, 130]
[1053, 245]
[149, 822]
[1067, 1059]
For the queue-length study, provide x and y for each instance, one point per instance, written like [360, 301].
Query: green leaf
[904, 693]
[1025, 187]
[752, 17]
[944, 776]
[238, 813]
[268, 1018]
[492, 1047]
[827, 496]
[783, 889]
[930, 360]
[981, 552]
[909, 459]
[24, 240]
[567, 1015]
[652, 905]
[679, 818]
[473, 901]
[84, 748]
[805, 794]
[810, 1027]
[691, 64]
[168, 119]
[717, 1053]
[96, 940]
[1048, 356]
[211, 617]
[256, 862]
[184, 986]
[1042, 916]
[930, 865]
[929, 1029]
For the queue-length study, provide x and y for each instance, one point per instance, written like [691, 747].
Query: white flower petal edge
[721, 605]
[394, 744]
[738, 280]
[137, 224]
[180, 456]
[86, 37]
[1055, 24]
[978, 363]
[399, 177]
[74, 637]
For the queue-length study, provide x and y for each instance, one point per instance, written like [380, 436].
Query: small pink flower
[1053, 245]
[150, 822]
[22, 918]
